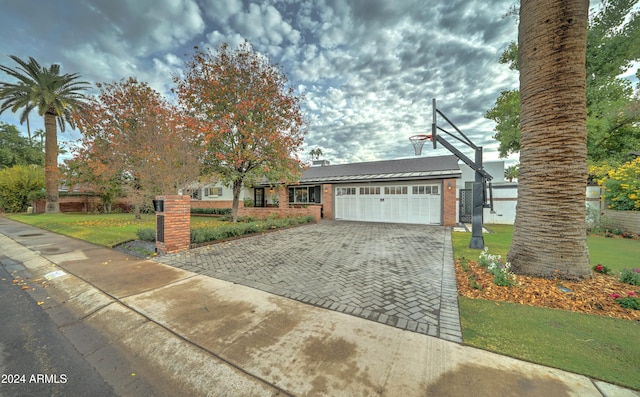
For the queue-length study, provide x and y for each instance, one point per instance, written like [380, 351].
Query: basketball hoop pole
[481, 176]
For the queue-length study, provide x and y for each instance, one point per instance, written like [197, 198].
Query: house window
[212, 191]
[305, 194]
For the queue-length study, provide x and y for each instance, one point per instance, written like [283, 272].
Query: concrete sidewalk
[196, 335]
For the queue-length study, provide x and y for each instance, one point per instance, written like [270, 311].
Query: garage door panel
[420, 203]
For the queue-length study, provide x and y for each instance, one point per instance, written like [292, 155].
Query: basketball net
[418, 141]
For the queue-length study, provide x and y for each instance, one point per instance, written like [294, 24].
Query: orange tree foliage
[249, 121]
[135, 136]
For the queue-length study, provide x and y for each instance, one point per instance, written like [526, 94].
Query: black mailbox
[158, 205]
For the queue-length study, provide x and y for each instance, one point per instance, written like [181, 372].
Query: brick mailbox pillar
[173, 223]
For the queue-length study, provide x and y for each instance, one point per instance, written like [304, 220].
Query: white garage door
[415, 203]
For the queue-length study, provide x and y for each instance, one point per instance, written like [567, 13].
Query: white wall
[505, 198]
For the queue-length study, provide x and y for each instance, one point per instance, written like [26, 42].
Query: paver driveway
[400, 275]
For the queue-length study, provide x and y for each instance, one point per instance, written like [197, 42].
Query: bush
[147, 234]
[623, 186]
[211, 211]
[19, 185]
[630, 276]
[203, 235]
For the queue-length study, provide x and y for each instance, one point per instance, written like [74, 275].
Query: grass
[600, 347]
[615, 253]
[106, 230]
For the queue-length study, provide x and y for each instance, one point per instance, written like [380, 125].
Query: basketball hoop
[418, 141]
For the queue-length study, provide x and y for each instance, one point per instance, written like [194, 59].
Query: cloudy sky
[367, 68]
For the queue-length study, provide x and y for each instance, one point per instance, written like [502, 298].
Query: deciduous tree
[134, 135]
[16, 149]
[248, 119]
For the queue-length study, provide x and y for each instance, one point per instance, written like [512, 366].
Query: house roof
[389, 170]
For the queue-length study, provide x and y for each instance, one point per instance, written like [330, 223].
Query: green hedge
[203, 235]
[211, 211]
[206, 234]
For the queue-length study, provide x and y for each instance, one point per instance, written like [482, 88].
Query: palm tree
[55, 96]
[549, 237]
[511, 172]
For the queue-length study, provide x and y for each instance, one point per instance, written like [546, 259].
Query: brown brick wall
[177, 224]
[327, 201]
[215, 203]
[449, 203]
[85, 203]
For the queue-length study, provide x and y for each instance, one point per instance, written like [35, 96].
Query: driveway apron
[396, 274]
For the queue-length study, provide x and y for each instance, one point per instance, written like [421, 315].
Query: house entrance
[258, 197]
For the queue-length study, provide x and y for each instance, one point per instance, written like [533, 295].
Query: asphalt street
[36, 359]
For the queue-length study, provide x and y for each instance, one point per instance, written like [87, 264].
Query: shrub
[600, 268]
[146, 234]
[203, 235]
[630, 276]
[211, 211]
[623, 186]
[628, 302]
[19, 185]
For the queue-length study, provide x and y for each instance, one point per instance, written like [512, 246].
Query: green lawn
[616, 253]
[600, 347]
[106, 230]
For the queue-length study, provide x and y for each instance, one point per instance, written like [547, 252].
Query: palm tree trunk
[51, 163]
[549, 237]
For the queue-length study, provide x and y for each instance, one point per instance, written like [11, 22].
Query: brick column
[327, 201]
[173, 224]
[449, 203]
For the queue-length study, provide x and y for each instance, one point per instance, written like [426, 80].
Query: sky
[368, 69]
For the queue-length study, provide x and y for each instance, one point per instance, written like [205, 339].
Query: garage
[417, 202]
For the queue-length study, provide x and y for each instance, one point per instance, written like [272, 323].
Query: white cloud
[369, 68]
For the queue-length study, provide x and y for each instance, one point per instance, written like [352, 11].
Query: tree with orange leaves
[246, 116]
[134, 135]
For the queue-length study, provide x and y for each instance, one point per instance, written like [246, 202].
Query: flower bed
[592, 296]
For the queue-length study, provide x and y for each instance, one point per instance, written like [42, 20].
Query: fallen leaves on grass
[588, 296]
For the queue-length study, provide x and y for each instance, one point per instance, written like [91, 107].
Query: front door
[259, 197]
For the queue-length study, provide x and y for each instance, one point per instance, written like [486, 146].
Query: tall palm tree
[549, 237]
[55, 96]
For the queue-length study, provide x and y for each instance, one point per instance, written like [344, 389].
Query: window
[212, 191]
[306, 194]
[396, 190]
[425, 189]
[369, 190]
[345, 191]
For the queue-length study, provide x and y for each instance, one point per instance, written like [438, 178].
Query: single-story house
[418, 190]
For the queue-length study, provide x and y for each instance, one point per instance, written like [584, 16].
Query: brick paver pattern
[396, 274]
